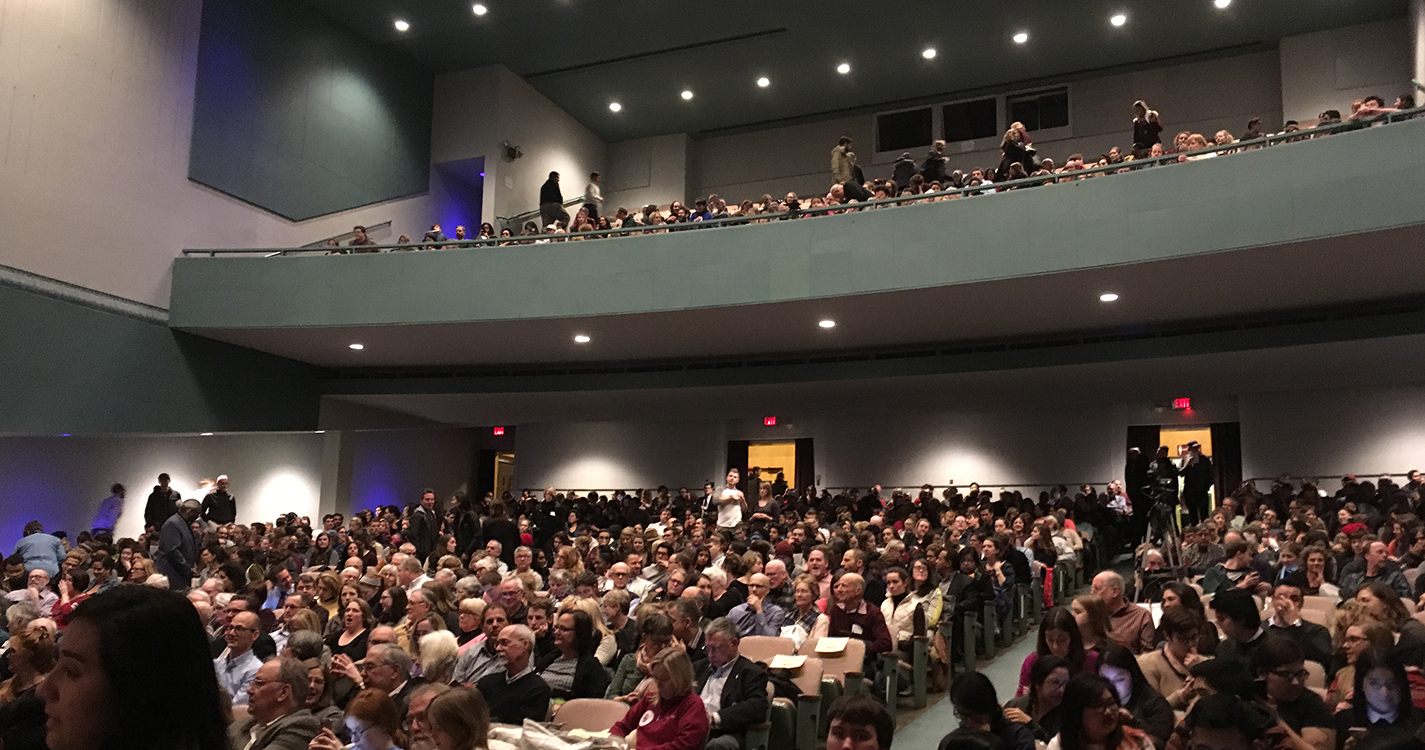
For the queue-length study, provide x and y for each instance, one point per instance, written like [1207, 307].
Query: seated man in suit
[733, 688]
[276, 713]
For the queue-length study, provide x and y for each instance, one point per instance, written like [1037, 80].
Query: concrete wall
[1332, 433]
[96, 112]
[647, 170]
[301, 117]
[550, 139]
[1330, 69]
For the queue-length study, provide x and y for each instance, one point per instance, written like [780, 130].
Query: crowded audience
[929, 179]
[1293, 618]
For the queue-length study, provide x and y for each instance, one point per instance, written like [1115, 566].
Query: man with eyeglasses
[758, 615]
[388, 668]
[1279, 663]
[236, 666]
[277, 717]
[479, 661]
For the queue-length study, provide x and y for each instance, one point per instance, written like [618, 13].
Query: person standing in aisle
[162, 503]
[220, 507]
[593, 198]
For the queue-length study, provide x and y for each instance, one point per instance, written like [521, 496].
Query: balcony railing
[965, 192]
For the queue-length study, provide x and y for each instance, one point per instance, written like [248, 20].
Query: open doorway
[504, 473]
[772, 462]
[494, 472]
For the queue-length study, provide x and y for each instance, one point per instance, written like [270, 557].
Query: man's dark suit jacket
[744, 696]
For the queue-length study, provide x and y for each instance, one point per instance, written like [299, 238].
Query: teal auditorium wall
[302, 118]
[1338, 185]
[73, 369]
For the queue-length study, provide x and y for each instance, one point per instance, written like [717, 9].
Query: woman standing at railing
[1018, 148]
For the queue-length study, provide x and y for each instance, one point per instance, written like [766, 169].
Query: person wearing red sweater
[671, 717]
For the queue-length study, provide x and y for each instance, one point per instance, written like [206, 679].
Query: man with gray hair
[277, 717]
[411, 574]
[1131, 625]
[733, 688]
[388, 668]
[517, 693]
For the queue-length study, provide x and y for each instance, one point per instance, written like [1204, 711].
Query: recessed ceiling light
[1021, 37]
[686, 95]
[615, 106]
[764, 82]
[1119, 19]
[206, 434]
[827, 323]
[1221, 4]
[1108, 297]
[581, 339]
[843, 68]
[928, 53]
[480, 10]
[356, 347]
[402, 26]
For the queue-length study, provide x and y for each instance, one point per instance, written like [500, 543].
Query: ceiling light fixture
[929, 53]
[581, 339]
[1021, 37]
[615, 106]
[1119, 19]
[480, 10]
[687, 95]
[827, 323]
[1108, 297]
[206, 434]
[402, 26]
[843, 68]
[764, 82]
[1221, 4]
[356, 347]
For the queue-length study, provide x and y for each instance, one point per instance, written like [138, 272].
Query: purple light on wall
[482, 174]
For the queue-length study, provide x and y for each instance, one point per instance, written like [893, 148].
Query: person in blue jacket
[39, 549]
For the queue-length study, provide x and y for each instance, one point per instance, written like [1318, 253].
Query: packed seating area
[724, 620]
[926, 180]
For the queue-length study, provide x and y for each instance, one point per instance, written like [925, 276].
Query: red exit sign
[499, 431]
[769, 421]
[1182, 404]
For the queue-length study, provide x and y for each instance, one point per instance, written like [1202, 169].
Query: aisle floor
[926, 730]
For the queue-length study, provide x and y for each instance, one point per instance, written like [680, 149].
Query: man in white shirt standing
[593, 198]
[730, 502]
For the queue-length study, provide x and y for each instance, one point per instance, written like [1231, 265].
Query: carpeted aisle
[936, 721]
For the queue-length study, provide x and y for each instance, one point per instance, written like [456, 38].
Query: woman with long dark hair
[1039, 708]
[1181, 594]
[1058, 636]
[1091, 719]
[119, 646]
[572, 670]
[393, 606]
[1149, 708]
[1382, 698]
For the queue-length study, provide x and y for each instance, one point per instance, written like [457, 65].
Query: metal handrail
[996, 187]
[519, 219]
[321, 244]
[884, 487]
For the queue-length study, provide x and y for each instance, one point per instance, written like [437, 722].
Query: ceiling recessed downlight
[581, 339]
[828, 323]
[764, 82]
[1021, 37]
[928, 53]
[356, 347]
[1221, 4]
[686, 95]
[1119, 19]
[615, 106]
[480, 10]
[402, 26]
[206, 434]
[1108, 297]
[843, 68]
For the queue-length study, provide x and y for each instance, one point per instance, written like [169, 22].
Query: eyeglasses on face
[1295, 676]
